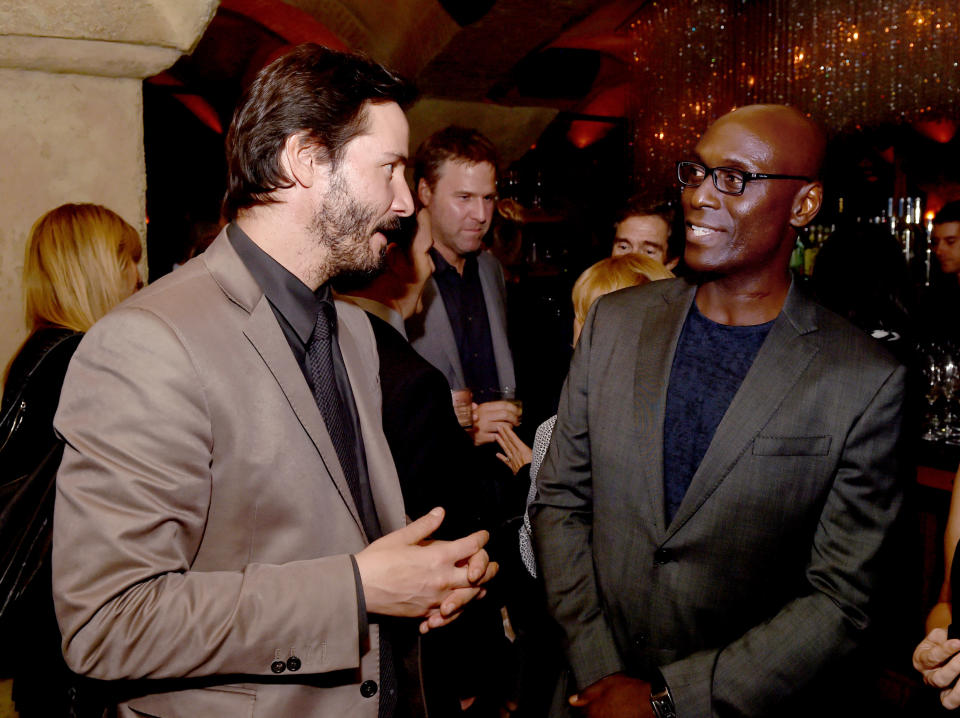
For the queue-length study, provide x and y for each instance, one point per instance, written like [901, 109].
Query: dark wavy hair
[950, 212]
[641, 205]
[310, 89]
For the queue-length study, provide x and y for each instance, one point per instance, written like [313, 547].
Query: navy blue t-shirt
[709, 366]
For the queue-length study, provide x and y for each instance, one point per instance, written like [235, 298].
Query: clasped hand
[490, 416]
[938, 660]
[406, 574]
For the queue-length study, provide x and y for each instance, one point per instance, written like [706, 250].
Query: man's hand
[936, 658]
[615, 696]
[404, 574]
[490, 416]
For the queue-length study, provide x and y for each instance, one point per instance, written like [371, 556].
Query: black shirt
[463, 300]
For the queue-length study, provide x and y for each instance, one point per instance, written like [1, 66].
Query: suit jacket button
[662, 556]
[368, 688]
[293, 663]
[639, 640]
[278, 666]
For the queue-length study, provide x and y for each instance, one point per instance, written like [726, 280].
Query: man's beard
[344, 227]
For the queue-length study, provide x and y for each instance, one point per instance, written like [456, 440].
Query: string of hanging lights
[849, 63]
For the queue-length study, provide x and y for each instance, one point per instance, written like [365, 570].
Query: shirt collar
[288, 295]
[442, 266]
[378, 309]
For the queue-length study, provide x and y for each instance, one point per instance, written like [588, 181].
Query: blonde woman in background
[607, 275]
[81, 261]
[537, 638]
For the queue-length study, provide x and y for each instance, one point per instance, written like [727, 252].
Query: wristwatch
[661, 701]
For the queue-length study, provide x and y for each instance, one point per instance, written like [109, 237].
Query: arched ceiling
[543, 57]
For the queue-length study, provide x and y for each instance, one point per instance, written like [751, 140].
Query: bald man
[712, 512]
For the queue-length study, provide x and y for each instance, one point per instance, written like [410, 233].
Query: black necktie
[334, 411]
[340, 428]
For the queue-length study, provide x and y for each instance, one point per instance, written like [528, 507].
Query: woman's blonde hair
[75, 267]
[613, 273]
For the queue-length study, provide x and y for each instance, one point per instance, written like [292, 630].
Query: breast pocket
[791, 445]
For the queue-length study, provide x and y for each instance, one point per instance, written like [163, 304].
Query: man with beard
[229, 525]
[714, 506]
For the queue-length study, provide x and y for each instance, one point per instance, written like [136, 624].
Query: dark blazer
[436, 461]
[438, 465]
[765, 576]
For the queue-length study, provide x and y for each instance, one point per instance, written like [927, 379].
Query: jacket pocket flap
[228, 701]
[791, 445]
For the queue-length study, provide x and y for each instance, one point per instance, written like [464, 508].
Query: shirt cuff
[362, 622]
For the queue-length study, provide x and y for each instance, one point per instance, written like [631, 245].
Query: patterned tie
[340, 428]
[331, 404]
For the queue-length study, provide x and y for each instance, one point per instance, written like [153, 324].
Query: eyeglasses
[726, 179]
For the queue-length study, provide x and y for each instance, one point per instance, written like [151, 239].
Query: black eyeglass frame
[747, 176]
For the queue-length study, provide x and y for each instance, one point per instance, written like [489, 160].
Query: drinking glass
[931, 373]
[949, 384]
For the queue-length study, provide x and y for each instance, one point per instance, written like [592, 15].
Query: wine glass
[949, 384]
[932, 374]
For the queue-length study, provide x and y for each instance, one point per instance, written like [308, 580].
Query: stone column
[71, 114]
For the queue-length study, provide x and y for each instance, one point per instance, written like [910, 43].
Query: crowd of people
[269, 505]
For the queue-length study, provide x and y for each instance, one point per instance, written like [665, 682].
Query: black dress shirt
[463, 300]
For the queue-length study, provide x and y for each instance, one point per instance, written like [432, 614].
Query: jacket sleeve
[133, 498]
[561, 518]
[782, 656]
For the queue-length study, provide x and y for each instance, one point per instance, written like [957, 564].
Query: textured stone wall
[63, 138]
[71, 114]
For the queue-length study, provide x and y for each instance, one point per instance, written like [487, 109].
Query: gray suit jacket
[432, 336]
[765, 576]
[203, 525]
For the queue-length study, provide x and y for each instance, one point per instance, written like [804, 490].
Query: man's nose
[478, 210]
[705, 195]
[402, 199]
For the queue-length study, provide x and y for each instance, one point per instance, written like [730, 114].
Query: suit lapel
[496, 317]
[656, 345]
[264, 333]
[358, 346]
[784, 356]
[438, 325]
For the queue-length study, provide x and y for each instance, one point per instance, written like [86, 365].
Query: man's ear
[672, 263]
[424, 193]
[300, 160]
[806, 204]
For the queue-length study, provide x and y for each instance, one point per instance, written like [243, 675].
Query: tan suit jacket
[203, 525]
